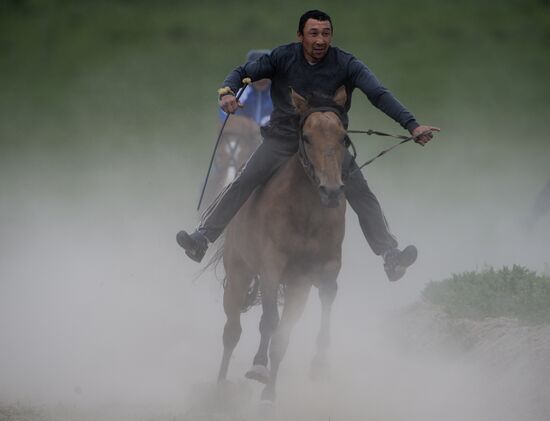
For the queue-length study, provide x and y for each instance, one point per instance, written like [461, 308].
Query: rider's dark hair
[313, 14]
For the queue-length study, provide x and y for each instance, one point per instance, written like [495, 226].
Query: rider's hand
[425, 138]
[229, 104]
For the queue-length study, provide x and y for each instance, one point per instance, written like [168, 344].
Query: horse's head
[323, 142]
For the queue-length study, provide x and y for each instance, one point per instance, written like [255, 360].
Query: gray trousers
[269, 156]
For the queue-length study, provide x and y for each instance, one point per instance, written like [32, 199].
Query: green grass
[82, 79]
[489, 56]
[516, 292]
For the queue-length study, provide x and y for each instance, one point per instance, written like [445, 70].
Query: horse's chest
[298, 224]
[315, 236]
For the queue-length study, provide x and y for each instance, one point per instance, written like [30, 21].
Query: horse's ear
[298, 101]
[340, 97]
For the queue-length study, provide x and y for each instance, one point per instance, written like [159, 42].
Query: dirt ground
[425, 366]
[514, 357]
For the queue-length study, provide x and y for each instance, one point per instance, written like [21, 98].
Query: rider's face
[315, 39]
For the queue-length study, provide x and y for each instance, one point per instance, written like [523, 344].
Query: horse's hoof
[259, 373]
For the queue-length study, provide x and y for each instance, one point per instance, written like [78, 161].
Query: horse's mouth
[330, 201]
[330, 197]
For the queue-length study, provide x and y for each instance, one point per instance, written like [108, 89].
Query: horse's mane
[318, 99]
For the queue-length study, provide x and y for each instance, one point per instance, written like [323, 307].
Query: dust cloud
[101, 318]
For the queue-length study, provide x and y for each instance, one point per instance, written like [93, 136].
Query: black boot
[194, 244]
[396, 261]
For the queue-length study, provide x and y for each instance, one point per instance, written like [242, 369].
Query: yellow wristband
[225, 91]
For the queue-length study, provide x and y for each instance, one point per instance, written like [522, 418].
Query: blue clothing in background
[257, 106]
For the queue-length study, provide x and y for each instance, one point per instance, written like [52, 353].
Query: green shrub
[516, 292]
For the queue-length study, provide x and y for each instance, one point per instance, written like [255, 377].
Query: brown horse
[289, 233]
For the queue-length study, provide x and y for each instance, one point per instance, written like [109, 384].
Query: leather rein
[308, 165]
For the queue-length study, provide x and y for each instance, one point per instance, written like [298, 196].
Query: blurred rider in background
[241, 135]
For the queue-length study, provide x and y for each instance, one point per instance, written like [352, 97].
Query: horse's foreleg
[268, 324]
[296, 294]
[327, 294]
[233, 299]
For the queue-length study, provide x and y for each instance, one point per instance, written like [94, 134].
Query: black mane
[319, 99]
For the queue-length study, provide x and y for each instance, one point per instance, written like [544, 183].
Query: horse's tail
[215, 259]
[253, 297]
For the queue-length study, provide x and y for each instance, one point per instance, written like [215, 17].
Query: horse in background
[241, 137]
[290, 233]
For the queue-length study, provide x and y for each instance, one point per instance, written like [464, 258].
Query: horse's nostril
[331, 192]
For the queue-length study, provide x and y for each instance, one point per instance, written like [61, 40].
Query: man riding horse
[309, 66]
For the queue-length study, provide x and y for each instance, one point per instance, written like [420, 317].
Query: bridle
[302, 153]
[308, 165]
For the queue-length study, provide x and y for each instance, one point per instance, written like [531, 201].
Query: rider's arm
[363, 78]
[262, 68]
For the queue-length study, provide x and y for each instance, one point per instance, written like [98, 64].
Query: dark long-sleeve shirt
[287, 68]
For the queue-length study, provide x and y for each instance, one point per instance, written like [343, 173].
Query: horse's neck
[300, 187]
